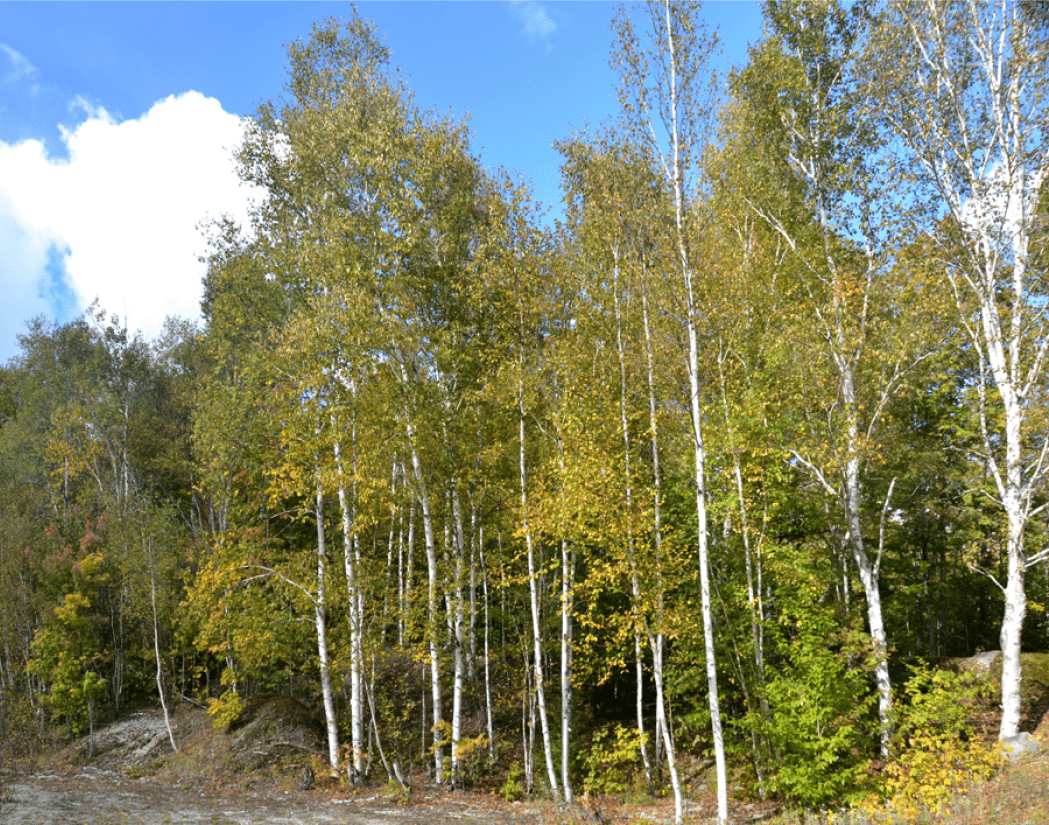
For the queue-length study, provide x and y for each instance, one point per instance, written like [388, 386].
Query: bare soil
[95, 797]
[128, 774]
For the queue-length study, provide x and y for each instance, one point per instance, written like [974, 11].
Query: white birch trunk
[475, 540]
[704, 560]
[639, 672]
[533, 593]
[676, 172]
[423, 495]
[432, 606]
[656, 641]
[356, 769]
[458, 619]
[401, 600]
[410, 564]
[156, 653]
[984, 156]
[331, 724]
[567, 600]
[492, 754]
[869, 572]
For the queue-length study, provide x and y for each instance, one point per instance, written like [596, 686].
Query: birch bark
[354, 602]
[331, 724]
[533, 593]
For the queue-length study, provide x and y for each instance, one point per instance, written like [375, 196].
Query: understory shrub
[610, 761]
[820, 719]
[939, 750]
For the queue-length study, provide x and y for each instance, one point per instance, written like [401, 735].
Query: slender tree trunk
[629, 492]
[677, 174]
[869, 572]
[319, 608]
[401, 601]
[657, 641]
[458, 619]
[471, 658]
[567, 603]
[567, 619]
[353, 598]
[753, 598]
[534, 598]
[527, 717]
[391, 543]
[156, 652]
[393, 775]
[492, 750]
[432, 607]
[410, 565]
[639, 671]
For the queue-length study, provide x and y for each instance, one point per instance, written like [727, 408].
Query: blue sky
[117, 119]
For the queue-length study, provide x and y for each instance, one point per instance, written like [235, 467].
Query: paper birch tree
[962, 87]
[667, 92]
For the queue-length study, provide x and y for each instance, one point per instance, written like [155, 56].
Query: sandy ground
[109, 780]
[128, 774]
[88, 796]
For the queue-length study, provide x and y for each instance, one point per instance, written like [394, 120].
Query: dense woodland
[704, 469]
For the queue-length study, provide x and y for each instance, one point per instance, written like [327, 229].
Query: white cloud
[92, 110]
[24, 263]
[537, 23]
[20, 68]
[125, 207]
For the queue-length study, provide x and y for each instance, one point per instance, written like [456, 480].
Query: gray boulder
[1019, 746]
[983, 661]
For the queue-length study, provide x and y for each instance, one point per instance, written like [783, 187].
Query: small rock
[1020, 745]
[983, 661]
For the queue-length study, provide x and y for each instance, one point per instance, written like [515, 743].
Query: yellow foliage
[940, 752]
[225, 709]
[930, 773]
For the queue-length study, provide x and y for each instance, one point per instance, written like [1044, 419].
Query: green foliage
[819, 707]
[513, 788]
[67, 660]
[611, 760]
[396, 793]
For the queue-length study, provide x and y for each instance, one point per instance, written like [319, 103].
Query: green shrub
[513, 789]
[820, 708]
[610, 761]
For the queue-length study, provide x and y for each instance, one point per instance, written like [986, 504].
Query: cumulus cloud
[119, 219]
[20, 69]
[538, 24]
[33, 277]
